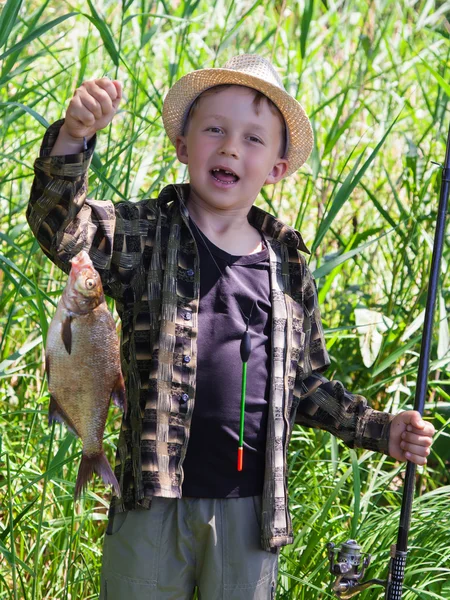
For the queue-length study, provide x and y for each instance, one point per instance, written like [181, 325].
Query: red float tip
[240, 458]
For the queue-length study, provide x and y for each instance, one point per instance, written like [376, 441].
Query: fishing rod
[349, 565]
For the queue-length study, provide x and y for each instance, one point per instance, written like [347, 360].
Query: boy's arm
[65, 221]
[327, 404]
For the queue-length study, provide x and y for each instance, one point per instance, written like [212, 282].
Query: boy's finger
[413, 438]
[427, 429]
[79, 113]
[417, 421]
[92, 105]
[117, 101]
[418, 460]
[109, 87]
[413, 419]
[119, 89]
[415, 449]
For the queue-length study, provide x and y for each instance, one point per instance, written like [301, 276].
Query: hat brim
[183, 93]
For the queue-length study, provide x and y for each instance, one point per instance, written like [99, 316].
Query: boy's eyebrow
[254, 126]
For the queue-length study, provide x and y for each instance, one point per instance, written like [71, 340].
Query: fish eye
[90, 283]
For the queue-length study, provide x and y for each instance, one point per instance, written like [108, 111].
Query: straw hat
[252, 71]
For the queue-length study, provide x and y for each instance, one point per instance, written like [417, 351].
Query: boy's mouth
[224, 176]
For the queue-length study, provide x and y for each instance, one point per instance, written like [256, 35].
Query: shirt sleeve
[326, 404]
[64, 221]
[315, 356]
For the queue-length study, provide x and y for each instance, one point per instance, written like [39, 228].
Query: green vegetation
[373, 77]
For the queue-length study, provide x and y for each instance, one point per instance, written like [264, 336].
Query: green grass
[373, 77]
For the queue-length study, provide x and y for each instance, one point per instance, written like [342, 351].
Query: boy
[187, 517]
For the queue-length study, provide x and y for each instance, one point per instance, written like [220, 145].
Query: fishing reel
[349, 568]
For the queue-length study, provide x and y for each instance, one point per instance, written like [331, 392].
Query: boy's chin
[220, 202]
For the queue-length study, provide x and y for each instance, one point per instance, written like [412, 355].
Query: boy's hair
[258, 98]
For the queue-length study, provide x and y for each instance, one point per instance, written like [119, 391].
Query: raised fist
[92, 107]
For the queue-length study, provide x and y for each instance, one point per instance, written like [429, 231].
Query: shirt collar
[257, 217]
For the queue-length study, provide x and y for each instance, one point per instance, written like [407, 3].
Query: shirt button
[190, 272]
[187, 316]
[184, 398]
[186, 359]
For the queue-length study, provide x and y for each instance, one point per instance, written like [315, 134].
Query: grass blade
[105, 33]
[8, 18]
[39, 32]
[344, 192]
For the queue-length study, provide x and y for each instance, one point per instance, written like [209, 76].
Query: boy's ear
[181, 149]
[278, 171]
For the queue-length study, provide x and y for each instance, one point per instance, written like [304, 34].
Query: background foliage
[373, 77]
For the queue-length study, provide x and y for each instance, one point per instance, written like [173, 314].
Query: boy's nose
[229, 150]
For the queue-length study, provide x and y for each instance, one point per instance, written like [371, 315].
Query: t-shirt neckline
[246, 259]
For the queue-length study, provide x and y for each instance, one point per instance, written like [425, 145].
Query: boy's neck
[229, 230]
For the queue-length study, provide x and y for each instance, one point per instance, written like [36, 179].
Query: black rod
[398, 556]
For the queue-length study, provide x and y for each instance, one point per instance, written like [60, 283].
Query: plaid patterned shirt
[148, 261]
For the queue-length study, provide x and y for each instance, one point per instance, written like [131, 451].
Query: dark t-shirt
[210, 466]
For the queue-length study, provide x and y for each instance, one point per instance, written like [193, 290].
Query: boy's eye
[252, 138]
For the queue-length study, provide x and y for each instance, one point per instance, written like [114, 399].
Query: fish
[82, 363]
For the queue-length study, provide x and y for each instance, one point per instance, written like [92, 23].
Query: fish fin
[66, 334]
[56, 413]
[118, 394]
[47, 368]
[98, 463]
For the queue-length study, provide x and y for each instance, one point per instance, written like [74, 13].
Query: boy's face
[226, 133]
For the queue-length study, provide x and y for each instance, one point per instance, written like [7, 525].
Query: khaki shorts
[165, 552]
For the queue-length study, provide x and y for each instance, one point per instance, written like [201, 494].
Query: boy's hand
[92, 107]
[410, 437]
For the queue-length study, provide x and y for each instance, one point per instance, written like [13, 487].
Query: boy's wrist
[67, 144]
[68, 137]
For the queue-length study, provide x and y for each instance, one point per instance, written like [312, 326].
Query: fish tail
[98, 463]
